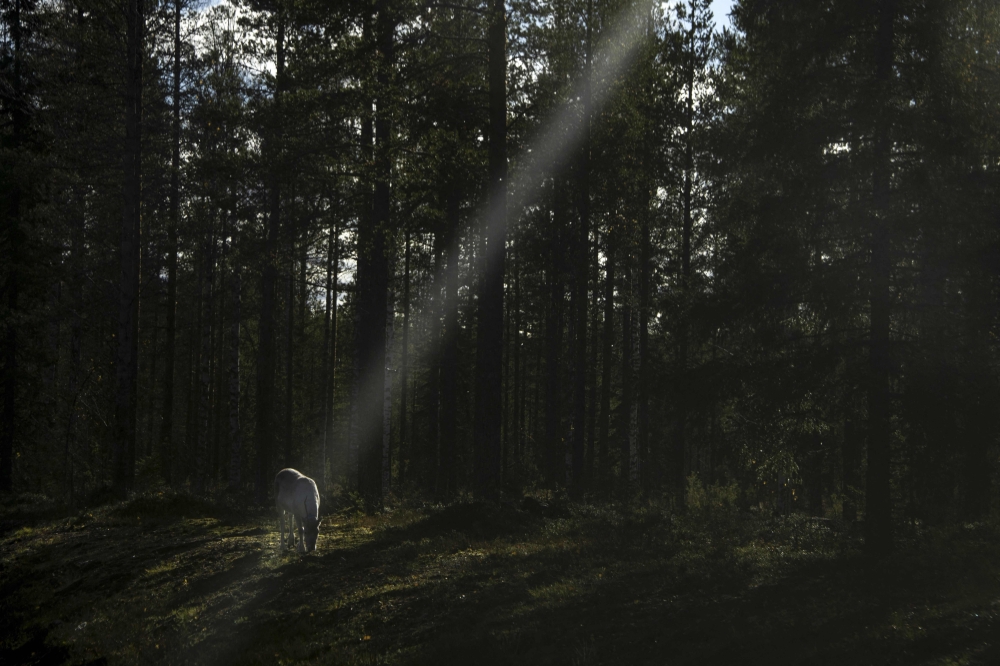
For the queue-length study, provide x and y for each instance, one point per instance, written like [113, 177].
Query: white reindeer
[297, 495]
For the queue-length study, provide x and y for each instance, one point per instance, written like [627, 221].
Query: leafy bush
[710, 500]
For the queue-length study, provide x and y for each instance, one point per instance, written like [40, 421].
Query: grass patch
[174, 579]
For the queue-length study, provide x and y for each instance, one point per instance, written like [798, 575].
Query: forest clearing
[173, 579]
[595, 331]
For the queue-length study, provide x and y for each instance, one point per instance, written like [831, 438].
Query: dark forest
[610, 332]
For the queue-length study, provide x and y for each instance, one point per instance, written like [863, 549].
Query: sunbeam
[559, 136]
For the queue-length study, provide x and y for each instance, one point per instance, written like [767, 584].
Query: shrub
[712, 499]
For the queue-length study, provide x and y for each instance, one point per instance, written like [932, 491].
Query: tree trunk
[678, 462]
[166, 448]
[75, 337]
[508, 374]
[977, 468]
[878, 502]
[151, 402]
[642, 466]
[594, 323]
[555, 452]
[328, 352]
[634, 426]
[577, 481]
[431, 465]
[626, 434]
[331, 399]
[580, 297]
[536, 400]
[265, 427]
[603, 468]
[642, 381]
[78, 263]
[850, 469]
[307, 371]
[404, 375]
[127, 362]
[219, 370]
[373, 283]
[449, 348]
[518, 398]
[489, 338]
[191, 382]
[387, 399]
[235, 436]
[290, 460]
[204, 361]
[8, 421]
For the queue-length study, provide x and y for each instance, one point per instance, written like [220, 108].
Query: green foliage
[712, 499]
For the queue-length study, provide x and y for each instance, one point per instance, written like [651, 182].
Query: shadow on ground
[136, 583]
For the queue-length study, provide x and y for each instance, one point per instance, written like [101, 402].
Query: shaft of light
[558, 137]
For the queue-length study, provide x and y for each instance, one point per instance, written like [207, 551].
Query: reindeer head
[311, 532]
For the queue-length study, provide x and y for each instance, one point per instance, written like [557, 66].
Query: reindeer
[297, 495]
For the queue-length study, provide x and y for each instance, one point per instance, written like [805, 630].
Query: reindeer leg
[281, 529]
[300, 530]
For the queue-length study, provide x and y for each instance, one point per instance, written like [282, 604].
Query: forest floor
[177, 580]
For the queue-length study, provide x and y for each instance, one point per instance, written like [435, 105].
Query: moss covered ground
[174, 579]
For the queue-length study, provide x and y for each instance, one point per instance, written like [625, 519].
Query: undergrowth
[171, 578]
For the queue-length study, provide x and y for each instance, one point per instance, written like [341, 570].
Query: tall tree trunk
[404, 376]
[334, 331]
[205, 361]
[151, 402]
[373, 282]
[642, 457]
[518, 398]
[580, 297]
[878, 499]
[235, 436]
[328, 352]
[8, 421]
[78, 263]
[75, 337]
[604, 466]
[166, 448]
[50, 378]
[307, 371]
[127, 362]
[577, 479]
[265, 426]
[634, 439]
[508, 373]
[449, 349]
[977, 468]
[431, 465]
[626, 434]
[364, 228]
[593, 402]
[554, 445]
[220, 366]
[678, 456]
[191, 382]
[642, 381]
[289, 457]
[390, 319]
[536, 398]
[489, 338]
